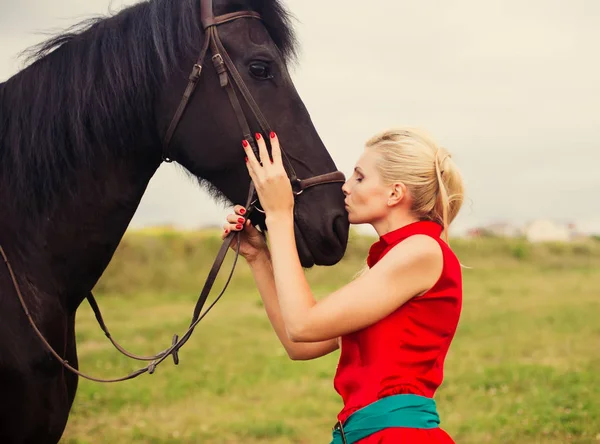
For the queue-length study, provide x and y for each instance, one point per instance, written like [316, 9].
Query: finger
[262, 150]
[225, 231]
[235, 219]
[235, 226]
[275, 149]
[251, 161]
[239, 210]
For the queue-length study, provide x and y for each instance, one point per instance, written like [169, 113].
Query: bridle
[227, 73]
[228, 76]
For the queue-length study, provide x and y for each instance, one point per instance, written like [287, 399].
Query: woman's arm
[410, 268]
[262, 270]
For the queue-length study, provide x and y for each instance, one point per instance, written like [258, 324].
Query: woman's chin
[353, 219]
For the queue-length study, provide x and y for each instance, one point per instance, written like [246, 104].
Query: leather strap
[216, 21]
[191, 86]
[206, 11]
[333, 177]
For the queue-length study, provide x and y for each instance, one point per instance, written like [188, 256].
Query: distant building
[474, 232]
[498, 229]
[501, 229]
[544, 230]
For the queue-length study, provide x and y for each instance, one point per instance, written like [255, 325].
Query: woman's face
[366, 196]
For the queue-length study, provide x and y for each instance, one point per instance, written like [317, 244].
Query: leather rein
[228, 75]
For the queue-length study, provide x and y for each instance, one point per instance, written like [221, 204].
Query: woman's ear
[397, 194]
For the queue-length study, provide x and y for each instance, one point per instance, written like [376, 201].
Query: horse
[82, 128]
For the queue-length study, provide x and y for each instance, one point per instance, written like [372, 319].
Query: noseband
[228, 76]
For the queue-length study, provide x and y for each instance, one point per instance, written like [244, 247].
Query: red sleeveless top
[404, 352]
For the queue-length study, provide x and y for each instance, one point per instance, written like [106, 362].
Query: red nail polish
[226, 231]
[245, 143]
[246, 159]
[272, 135]
[241, 220]
[238, 226]
[257, 136]
[242, 211]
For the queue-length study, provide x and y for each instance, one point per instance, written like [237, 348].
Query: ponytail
[442, 202]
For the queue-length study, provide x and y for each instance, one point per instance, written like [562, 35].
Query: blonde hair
[411, 156]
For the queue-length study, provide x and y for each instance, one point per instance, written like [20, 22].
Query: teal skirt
[412, 411]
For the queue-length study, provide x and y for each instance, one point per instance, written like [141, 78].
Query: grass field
[524, 367]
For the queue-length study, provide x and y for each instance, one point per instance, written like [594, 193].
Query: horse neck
[63, 246]
[65, 254]
[103, 209]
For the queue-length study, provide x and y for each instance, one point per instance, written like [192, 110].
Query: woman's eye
[260, 70]
[359, 179]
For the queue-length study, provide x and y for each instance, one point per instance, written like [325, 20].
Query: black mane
[88, 91]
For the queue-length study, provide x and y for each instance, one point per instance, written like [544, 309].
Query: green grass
[524, 367]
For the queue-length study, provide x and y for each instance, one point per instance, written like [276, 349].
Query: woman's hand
[270, 178]
[252, 242]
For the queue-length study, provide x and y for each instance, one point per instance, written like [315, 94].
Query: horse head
[206, 135]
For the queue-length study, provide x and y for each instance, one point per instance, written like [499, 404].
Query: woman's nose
[346, 188]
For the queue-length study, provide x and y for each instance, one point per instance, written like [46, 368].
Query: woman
[396, 320]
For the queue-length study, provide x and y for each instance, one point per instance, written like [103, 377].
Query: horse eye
[260, 70]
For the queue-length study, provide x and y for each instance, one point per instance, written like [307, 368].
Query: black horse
[80, 138]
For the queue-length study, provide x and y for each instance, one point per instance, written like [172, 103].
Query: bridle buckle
[218, 59]
[195, 74]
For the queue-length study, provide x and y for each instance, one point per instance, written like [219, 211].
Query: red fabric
[404, 352]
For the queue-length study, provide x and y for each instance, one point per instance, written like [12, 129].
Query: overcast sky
[510, 87]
